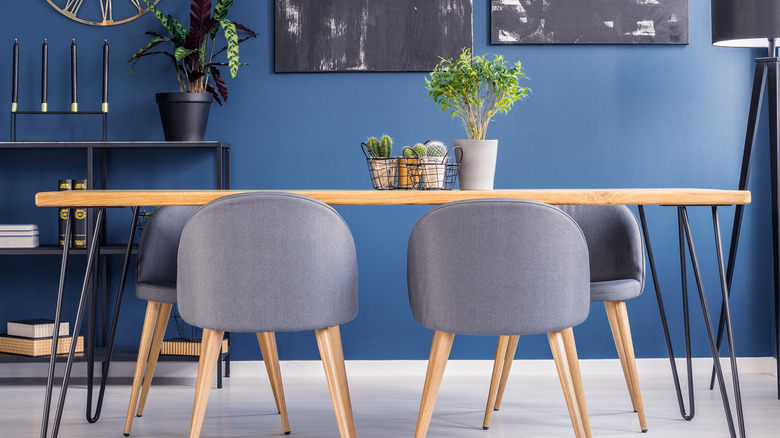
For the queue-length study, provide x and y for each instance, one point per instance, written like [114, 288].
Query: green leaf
[182, 53]
[232, 39]
[221, 9]
[174, 28]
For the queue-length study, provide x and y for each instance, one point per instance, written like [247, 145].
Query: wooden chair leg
[564, 373]
[154, 353]
[612, 315]
[628, 345]
[440, 352]
[498, 365]
[152, 308]
[508, 359]
[267, 341]
[574, 367]
[210, 346]
[329, 342]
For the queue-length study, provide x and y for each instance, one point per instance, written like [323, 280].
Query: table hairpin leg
[685, 236]
[725, 286]
[685, 223]
[738, 213]
[110, 348]
[665, 325]
[76, 328]
[56, 334]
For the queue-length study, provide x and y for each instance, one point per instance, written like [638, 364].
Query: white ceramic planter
[477, 163]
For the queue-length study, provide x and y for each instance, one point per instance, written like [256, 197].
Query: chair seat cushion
[162, 292]
[615, 290]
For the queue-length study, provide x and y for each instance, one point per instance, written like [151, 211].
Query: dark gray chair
[155, 283]
[499, 267]
[268, 262]
[617, 273]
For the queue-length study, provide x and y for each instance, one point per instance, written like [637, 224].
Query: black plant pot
[184, 115]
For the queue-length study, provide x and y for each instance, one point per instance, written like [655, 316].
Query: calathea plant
[193, 51]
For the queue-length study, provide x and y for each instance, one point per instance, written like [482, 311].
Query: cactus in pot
[405, 172]
[434, 164]
[383, 170]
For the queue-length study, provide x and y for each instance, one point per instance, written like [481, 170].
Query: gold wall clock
[101, 12]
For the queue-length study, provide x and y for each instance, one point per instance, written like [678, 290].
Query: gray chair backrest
[159, 245]
[259, 262]
[498, 267]
[614, 241]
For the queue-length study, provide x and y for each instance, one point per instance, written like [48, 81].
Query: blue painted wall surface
[599, 116]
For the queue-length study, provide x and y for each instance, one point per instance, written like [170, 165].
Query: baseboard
[368, 368]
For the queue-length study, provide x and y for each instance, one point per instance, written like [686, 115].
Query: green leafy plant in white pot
[475, 89]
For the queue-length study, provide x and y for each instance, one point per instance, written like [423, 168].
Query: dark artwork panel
[589, 22]
[369, 35]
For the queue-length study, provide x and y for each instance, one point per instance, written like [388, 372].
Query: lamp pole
[766, 72]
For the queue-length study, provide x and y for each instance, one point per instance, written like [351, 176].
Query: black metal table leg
[665, 325]
[683, 215]
[77, 326]
[726, 310]
[56, 334]
[112, 335]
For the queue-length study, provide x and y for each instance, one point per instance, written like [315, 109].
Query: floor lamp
[755, 23]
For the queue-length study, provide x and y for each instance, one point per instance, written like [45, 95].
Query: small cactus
[436, 149]
[420, 149]
[373, 146]
[408, 152]
[386, 146]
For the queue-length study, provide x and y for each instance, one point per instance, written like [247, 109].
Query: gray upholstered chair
[155, 283]
[268, 262]
[499, 267]
[617, 273]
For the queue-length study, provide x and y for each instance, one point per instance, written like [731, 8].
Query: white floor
[386, 406]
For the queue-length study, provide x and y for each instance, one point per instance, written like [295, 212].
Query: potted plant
[435, 165]
[382, 166]
[193, 53]
[423, 166]
[476, 89]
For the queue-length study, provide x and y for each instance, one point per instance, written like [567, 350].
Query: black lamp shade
[745, 23]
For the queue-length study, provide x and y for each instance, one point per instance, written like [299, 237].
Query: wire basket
[431, 173]
[382, 170]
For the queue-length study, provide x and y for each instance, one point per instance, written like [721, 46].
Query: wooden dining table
[679, 198]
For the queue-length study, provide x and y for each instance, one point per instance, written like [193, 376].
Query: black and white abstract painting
[369, 35]
[589, 22]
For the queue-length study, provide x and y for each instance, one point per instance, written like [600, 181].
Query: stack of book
[33, 337]
[18, 236]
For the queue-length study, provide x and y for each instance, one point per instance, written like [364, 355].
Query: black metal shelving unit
[96, 157]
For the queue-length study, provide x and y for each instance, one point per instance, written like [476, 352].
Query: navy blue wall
[599, 116]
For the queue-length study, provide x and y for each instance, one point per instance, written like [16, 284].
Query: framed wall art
[589, 22]
[369, 35]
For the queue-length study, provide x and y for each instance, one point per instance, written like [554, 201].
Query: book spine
[62, 213]
[79, 218]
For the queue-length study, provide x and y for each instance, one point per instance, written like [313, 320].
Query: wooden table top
[670, 196]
